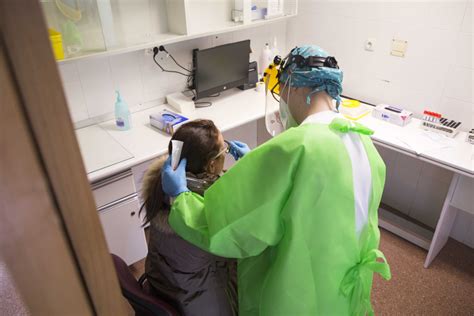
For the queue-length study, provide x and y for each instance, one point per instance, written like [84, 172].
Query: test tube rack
[470, 137]
[435, 122]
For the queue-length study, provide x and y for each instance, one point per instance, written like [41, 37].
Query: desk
[454, 154]
[235, 108]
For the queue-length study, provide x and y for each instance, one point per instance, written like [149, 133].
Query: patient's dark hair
[200, 146]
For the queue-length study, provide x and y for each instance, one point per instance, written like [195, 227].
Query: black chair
[138, 294]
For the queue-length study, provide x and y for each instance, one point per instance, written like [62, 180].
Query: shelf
[170, 38]
[160, 39]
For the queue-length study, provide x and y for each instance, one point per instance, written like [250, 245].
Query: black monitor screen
[221, 68]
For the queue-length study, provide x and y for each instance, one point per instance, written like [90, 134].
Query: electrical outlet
[148, 51]
[370, 44]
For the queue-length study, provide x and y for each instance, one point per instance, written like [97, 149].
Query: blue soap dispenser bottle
[122, 114]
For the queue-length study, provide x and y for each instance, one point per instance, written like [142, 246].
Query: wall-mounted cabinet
[105, 27]
[93, 26]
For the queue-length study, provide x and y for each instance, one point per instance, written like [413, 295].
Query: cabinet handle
[132, 214]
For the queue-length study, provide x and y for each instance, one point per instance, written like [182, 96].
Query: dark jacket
[198, 282]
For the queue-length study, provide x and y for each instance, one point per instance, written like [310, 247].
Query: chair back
[143, 302]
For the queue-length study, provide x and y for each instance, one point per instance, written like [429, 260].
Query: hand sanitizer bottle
[122, 114]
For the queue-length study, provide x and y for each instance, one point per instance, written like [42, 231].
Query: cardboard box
[392, 114]
[167, 121]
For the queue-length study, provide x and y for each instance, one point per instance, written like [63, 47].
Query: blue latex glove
[174, 181]
[238, 149]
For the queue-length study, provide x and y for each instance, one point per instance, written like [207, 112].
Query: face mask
[285, 115]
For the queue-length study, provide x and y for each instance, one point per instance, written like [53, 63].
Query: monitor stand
[181, 102]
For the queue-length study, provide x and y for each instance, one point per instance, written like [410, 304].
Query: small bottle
[122, 114]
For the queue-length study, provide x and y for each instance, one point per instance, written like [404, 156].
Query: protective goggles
[224, 150]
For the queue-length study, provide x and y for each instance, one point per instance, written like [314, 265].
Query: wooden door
[50, 234]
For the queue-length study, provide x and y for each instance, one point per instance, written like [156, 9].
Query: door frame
[31, 73]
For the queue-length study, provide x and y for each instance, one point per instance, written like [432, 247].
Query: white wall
[89, 84]
[436, 73]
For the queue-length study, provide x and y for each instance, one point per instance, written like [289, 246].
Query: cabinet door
[123, 232]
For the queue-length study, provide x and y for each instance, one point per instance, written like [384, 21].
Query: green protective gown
[286, 210]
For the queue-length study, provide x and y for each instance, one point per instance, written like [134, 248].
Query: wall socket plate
[399, 47]
[370, 44]
[148, 51]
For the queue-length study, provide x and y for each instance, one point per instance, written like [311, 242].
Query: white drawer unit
[113, 188]
[122, 227]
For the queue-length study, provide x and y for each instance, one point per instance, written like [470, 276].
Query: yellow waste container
[57, 43]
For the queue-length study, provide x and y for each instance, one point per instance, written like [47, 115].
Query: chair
[138, 295]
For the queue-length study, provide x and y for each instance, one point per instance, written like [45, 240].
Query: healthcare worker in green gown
[300, 211]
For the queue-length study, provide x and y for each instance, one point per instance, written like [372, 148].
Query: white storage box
[392, 114]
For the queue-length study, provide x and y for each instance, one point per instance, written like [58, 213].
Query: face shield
[273, 121]
[307, 66]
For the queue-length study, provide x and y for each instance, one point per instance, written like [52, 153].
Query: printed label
[119, 122]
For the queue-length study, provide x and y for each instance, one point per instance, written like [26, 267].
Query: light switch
[399, 47]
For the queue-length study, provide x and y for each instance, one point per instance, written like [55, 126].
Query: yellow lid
[350, 103]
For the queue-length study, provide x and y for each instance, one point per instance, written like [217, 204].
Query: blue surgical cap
[319, 79]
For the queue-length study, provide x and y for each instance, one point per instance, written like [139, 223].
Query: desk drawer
[123, 232]
[113, 188]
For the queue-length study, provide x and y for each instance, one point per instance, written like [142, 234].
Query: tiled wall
[90, 84]
[436, 73]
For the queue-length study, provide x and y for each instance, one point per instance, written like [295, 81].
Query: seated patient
[198, 282]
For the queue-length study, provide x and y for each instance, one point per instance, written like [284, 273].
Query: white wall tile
[463, 54]
[221, 39]
[97, 85]
[68, 72]
[439, 14]
[155, 82]
[459, 84]
[467, 25]
[126, 76]
[75, 101]
[458, 110]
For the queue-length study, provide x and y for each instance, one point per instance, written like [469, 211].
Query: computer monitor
[220, 68]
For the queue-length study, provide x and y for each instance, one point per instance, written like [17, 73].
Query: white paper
[176, 147]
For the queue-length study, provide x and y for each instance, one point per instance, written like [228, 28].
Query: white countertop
[451, 153]
[103, 157]
[99, 149]
[231, 109]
